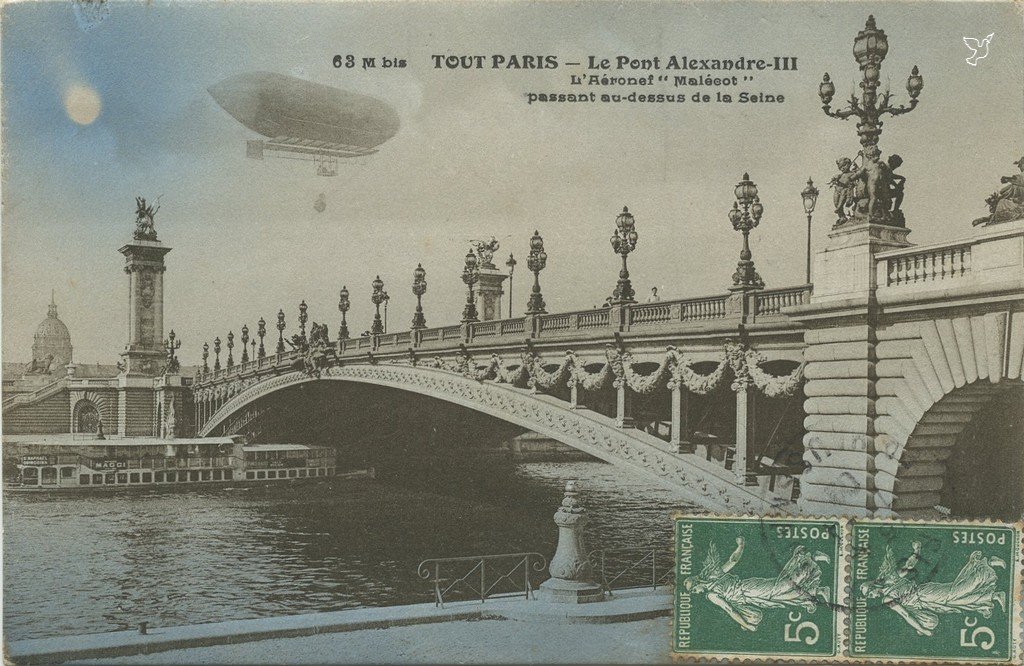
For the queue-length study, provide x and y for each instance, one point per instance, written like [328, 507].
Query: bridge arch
[932, 387]
[699, 482]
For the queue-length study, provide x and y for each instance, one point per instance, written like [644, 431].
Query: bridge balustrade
[512, 326]
[992, 261]
[701, 309]
[764, 303]
[653, 313]
[929, 265]
[772, 301]
[485, 328]
[594, 318]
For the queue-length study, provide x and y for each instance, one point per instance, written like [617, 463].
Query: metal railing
[479, 576]
[632, 568]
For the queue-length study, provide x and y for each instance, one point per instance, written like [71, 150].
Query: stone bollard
[571, 576]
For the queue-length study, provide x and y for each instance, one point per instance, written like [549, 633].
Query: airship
[305, 120]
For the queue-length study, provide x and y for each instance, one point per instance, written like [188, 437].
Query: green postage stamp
[751, 586]
[945, 592]
[847, 590]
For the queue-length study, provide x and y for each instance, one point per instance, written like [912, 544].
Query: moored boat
[68, 463]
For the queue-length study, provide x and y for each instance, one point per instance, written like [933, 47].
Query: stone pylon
[571, 575]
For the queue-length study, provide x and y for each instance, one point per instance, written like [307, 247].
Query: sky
[97, 112]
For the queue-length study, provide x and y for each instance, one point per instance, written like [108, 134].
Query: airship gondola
[305, 120]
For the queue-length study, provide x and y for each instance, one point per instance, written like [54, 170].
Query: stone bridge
[849, 397]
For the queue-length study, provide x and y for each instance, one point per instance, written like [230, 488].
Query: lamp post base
[560, 591]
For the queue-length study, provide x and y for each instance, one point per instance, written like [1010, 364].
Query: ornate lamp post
[171, 345]
[869, 50]
[419, 287]
[303, 318]
[745, 215]
[623, 240]
[536, 261]
[253, 343]
[810, 197]
[280, 331]
[343, 306]
[470, 275]
[231, 345]
[261, 330]
[387, 299]
[206, 356]
[216, 353]
[245, 343]
[377, 297]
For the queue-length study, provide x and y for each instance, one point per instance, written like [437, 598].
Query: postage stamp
[758, 587]
[944, 592]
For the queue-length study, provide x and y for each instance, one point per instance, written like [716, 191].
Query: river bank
[633, 626]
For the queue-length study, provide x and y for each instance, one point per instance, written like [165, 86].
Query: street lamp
[536, 261]
[377, 297]
[206, 356]
[419, 287]
[470, 275]
[745, 215]
[231, 345]
[624, 238]
[511, 263]
[869, 50]
[171, 345]
[280, 331]
[245, 343]
[303, 318]
[810, 197]
[387, 299]
[343, 306]
[261, 330]
[216, 353]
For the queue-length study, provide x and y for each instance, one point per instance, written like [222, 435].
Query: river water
[96, 562]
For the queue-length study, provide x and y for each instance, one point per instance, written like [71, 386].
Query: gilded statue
[485, 251]
[144, 213]
[1008, 202]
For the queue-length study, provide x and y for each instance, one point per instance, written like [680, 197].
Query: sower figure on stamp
[798, 584]
[973, 590]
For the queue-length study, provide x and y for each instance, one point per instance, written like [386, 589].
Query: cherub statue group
[870, 191]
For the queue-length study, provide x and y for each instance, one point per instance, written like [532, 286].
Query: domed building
[51, 346]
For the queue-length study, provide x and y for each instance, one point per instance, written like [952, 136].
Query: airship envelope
[303, 114]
